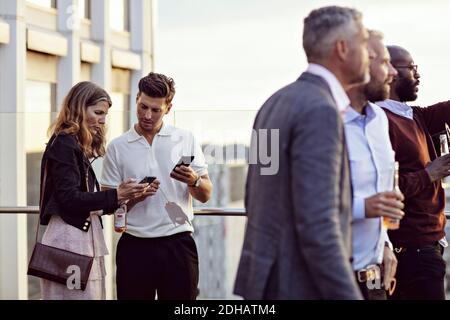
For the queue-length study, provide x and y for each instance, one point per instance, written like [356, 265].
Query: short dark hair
[157, 85]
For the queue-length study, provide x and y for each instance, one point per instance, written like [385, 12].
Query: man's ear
[169, 106]
[342, 49]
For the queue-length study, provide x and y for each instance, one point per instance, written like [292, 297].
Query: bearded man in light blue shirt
[372, 166]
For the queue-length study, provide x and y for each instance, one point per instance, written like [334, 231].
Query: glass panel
[119, 15]
[39, 99]
[117, 123]
[85, 71]
[219, 239]
[39, 102]
[225, 137]
[44, 3]
[84, 9]
[126, 17]
[118, 117]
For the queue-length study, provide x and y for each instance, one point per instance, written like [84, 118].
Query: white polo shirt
[131, 156]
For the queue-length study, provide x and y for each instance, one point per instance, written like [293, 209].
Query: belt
[435, 245]
[369, 273]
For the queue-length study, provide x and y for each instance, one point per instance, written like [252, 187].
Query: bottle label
[120, 221]
[120, 218]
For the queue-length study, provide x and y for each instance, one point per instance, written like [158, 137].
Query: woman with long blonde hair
[71, 201]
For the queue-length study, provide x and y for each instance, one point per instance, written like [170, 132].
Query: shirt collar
[351, 114]
[399, 108]
[337, 91]
[133, 135]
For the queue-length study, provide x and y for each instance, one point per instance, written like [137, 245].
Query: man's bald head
[398, 54]
[405, 85]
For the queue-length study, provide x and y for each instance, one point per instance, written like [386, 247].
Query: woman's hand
[149, 191]
[130, 189]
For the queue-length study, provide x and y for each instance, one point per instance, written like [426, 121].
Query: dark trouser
[166, 266]
[420, 274]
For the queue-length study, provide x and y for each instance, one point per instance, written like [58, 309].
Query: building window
[119, 115]
[40, 101]
[44, 3]
[84, 9]
[85, 71]
[119, 15]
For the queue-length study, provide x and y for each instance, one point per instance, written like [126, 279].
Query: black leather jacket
[65, 187]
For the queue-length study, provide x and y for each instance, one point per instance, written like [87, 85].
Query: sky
[230, 53]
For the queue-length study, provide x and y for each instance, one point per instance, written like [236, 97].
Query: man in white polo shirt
[157, 254]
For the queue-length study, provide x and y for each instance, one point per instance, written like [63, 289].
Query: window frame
[53, 4]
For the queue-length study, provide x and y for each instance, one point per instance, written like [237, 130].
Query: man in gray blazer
[298, 238]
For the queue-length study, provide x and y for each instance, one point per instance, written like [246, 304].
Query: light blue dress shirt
[399, 108]
[372, 167]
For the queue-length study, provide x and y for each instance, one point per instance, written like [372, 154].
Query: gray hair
[323, 26]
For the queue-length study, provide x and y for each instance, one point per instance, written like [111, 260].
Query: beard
[376, 91]
[406, 89]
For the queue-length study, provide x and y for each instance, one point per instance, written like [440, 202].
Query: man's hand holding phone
[183, 172]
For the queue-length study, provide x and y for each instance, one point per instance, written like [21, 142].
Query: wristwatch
[196, 184]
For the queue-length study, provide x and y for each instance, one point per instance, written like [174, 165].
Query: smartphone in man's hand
[184, 161]
[148, 180]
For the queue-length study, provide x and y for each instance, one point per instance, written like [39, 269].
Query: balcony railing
[224, 212]
[219, 236]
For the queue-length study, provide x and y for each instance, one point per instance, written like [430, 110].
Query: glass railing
[224, 135]
[218, 235]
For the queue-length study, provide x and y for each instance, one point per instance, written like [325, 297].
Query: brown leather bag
[56, 264]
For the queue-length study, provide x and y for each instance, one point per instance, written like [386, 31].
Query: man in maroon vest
[420, 240]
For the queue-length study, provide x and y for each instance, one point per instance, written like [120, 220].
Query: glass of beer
[391, 223]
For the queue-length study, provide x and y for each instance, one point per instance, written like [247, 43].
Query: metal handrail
[239, 212]
[233, 212]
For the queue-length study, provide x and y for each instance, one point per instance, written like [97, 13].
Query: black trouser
[166, 266]
[420, 273]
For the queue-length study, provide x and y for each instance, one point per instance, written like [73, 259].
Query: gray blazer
[298, 238]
